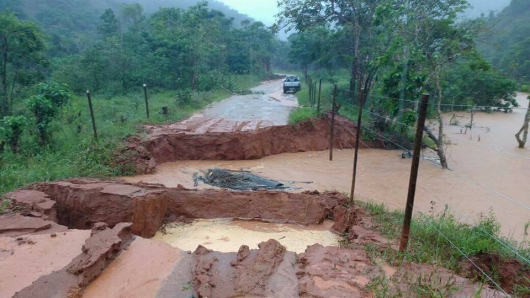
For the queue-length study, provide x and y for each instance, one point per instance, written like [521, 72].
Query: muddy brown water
[226, 235]
[487, 174]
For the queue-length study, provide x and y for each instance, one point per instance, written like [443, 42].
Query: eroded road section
[266, 106]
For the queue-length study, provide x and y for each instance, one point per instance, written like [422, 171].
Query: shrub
[11, 129]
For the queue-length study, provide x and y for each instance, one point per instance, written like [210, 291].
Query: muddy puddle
[487, 174]
[226, 235]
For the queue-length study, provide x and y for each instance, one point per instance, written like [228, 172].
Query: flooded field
[487, 174]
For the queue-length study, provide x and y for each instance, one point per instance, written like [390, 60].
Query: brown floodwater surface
[489, 173]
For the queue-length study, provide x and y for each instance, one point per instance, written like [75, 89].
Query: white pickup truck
[291, 83]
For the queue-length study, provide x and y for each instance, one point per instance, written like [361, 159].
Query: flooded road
[266, 106]
[487, 174]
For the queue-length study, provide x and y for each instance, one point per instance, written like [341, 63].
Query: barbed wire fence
[324, 102]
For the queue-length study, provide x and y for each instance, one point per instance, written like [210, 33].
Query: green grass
[75, 153]
[301, 114]
[427, 245]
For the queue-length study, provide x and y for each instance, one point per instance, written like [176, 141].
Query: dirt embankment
[268, 271]
[172, 143]
[82, 203]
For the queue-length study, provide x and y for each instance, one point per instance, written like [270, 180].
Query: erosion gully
[158, 235]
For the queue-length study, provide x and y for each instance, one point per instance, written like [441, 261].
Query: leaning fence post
[403, 243]
[146, 101]
[332, 123]
[357, 141]
[319, 91]
[92, 114]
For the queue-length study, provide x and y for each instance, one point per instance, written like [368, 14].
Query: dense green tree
[22, 49]
[354, 20]
[45, 105]
[11, 128]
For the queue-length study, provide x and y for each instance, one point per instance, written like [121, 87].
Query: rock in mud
[16, 224]
[37, 203]
[98, 251]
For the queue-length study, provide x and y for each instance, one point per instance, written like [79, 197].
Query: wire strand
[471, 261]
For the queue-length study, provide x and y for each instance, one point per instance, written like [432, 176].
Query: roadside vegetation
[72, 150]
[187, 57]
[429, 244]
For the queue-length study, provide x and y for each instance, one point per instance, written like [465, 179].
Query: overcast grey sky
[265, 10]
[261, 10]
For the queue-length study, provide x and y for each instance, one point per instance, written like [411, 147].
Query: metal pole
[315, 93]
[332, 123]
[146, 101]
[92, 115]
[319, 91]
[310, 85]
[357, 141]
[414, 173]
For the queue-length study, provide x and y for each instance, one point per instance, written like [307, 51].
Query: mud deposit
[226, 235]
[111, 260]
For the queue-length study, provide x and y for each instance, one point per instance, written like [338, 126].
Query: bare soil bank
[172, 143]
[104, 206]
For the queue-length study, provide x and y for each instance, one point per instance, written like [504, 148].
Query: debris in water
[237, 180]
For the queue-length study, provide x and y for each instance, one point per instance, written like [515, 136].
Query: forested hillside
[105, 45]
[507, 44]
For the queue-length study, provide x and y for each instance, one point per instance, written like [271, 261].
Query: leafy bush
[184, 97]
[45, 106]
[11, 129]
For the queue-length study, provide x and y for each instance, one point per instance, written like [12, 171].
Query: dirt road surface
[267, 106]
[487, 173]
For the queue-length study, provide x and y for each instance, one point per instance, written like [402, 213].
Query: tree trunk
[4, 105]
[402, 93]
[357, 61]
[524, 129]
[440, 145]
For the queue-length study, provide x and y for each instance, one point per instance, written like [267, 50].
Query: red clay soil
[509, 271]
[83, 202]
[334, 272]
[247, 273]
[172, 143]
[98, 251]
[269, 271]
